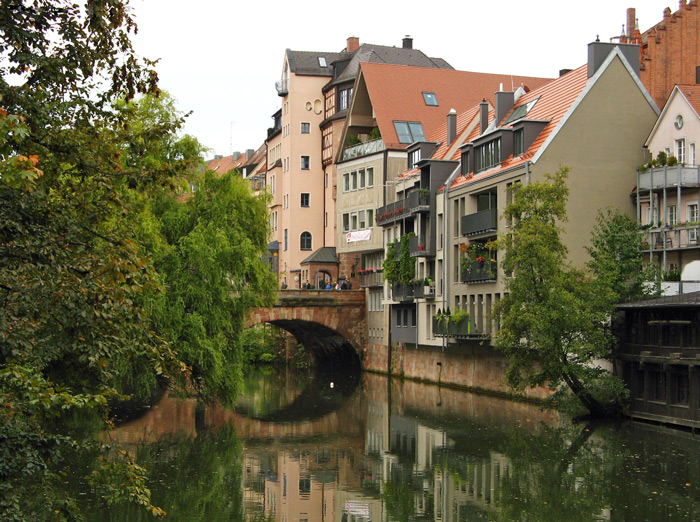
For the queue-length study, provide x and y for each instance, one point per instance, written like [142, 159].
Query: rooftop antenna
[230, 144]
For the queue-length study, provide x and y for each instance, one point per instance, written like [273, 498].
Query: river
[346, 448]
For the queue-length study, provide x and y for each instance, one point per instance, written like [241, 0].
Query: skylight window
[520, 111]
[409, 131]
[430, 99]
[322, 61]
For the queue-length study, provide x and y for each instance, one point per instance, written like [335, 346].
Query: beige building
[594, 120]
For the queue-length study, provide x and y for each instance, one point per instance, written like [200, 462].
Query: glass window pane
[417, 131]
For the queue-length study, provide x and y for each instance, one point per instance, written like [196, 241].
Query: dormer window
[344, 97]
[518, 142]
[488, 155]
[409, 131]
[430, 99]
[413, 158]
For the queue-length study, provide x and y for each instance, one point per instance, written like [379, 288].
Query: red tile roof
[553, 102]
[692, 94]
[396, 93]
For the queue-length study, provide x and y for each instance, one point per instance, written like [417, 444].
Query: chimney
[562, 72]
[504, 103]
[218, 156]
[451, 126]
[598, 52]
[631, 22]
[249, 154]
[236, 155]
[353, 44]
[407, 42]
[483, 116]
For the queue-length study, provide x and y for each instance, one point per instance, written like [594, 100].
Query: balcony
[479, 272]
[423, 291]
[369, 278]
[464, 329]
[282, 87]
[479, 223]
[363, 149]
[668, 177]
[402, 294]
[417, 201]
[421, 246]
[680, 237]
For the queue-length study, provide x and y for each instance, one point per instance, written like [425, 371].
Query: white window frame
[680, 150]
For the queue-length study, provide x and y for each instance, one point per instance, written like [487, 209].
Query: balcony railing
[421, 246]
[480, 272]
[363, 149]
[416, 201]
[667, 177]
[464, 329]
[423, 291]
[483, 222]
[402, 293]
[369, 279]
[677, 238]
[282, 88]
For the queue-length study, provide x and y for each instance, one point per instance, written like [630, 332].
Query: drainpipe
[527, 172]
[445, 242]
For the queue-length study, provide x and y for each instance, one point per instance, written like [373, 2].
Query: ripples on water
[365, 448]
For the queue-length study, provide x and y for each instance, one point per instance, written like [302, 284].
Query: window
[305, 241]
[409, 131]
[518, 143]
[692, 217]
[414, 158]
[346, 182]
[488, 155]
[322, 61]
[362, 178]
[304, 163]
[285, 239]
[465, 162]
[691, 154]
[370, 176]
[346, 222]
[353, 180]
[520, 111]
[680, 151]
[305, 128]
[430, 98]
[680, 386]
[671, 215]
[370, 218]
[344, 97]
[353, 221]
[362, 219]
[304, 199]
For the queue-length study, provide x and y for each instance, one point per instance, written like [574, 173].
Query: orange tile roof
[225, 163]
[396, 94]
[692, 94]
[553, 102]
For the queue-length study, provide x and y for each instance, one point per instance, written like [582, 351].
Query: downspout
[445, 242]
[527, 172]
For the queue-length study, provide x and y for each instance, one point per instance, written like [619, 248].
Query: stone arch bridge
[330, 324]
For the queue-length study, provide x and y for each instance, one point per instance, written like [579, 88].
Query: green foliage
[407, 265]
[552, 317]
[390, 265]
[214, 273]
[375, 134]
[617, 260]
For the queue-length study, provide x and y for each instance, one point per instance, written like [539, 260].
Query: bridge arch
[330, 324]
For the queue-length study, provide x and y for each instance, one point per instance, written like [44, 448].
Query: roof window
[322, 61]
[520, 111]
[409, 131]
[430, 99]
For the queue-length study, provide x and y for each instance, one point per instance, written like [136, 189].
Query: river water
[348, 448]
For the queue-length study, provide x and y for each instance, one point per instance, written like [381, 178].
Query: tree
[214, 272]
[617, 261]
[551, 318]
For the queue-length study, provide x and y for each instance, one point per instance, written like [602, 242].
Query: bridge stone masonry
[330, 324]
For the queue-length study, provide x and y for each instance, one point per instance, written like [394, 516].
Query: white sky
[221, 59]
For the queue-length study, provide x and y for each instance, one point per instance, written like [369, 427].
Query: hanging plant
[390, 265]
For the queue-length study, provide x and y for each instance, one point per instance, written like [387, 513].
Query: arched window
[305, 243]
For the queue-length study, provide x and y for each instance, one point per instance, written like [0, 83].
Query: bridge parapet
[329, 323]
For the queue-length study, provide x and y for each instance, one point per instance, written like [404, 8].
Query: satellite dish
[691, 272]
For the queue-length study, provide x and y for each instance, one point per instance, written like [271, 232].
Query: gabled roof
[689, 93]
[225, 163]
[306, 63]
[322, 255]
[396, 94]
[554, 103]
[370, 53]
[692, 94]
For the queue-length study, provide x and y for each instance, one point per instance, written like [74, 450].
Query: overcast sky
[221, 59]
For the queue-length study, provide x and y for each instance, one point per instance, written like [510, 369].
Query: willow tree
[552, 315]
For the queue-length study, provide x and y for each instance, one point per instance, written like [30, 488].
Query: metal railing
[480, 272]
[666, 177]
[482, 222]
[421, 245]
[416, 201]
[676, 238]
[363, 149]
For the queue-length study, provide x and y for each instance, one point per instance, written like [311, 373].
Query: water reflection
[400, 451]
